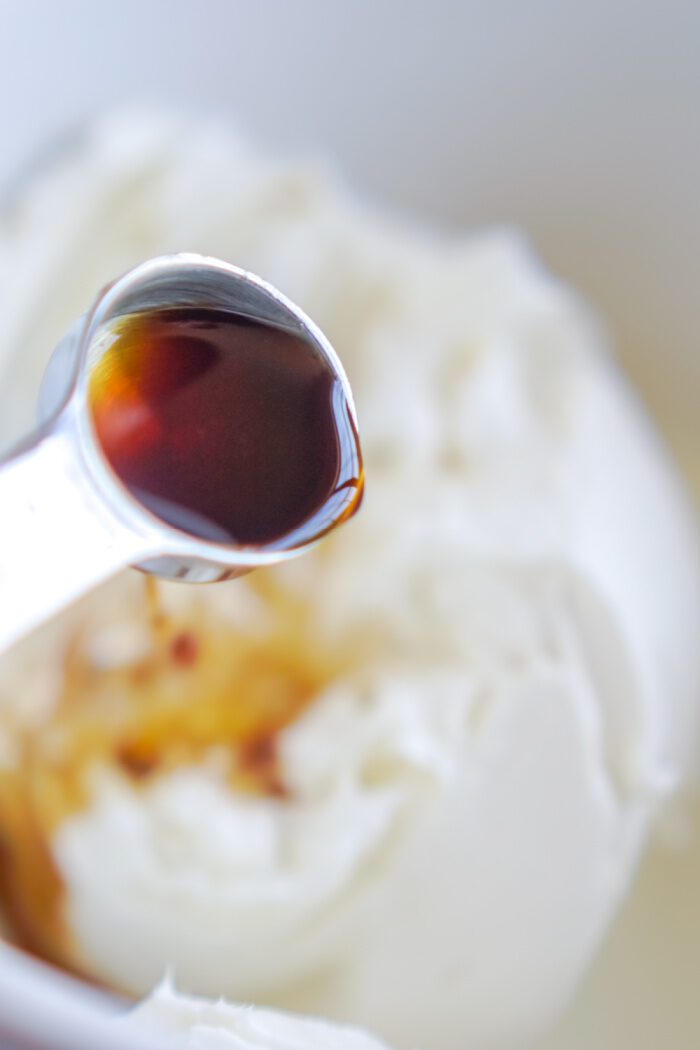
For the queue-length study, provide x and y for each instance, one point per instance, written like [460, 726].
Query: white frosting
[470, 800]
[198, 1024]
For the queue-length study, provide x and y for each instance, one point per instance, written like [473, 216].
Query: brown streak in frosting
[202, 687]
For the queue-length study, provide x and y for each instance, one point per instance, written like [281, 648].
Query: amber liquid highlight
[229, 430]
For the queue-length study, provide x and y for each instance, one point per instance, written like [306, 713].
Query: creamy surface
[507, 632]
[199, 1024]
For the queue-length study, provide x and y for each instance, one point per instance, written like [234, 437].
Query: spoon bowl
[70, 521]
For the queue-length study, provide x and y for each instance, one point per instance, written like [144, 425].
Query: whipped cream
[469, 797]
[199, 1024]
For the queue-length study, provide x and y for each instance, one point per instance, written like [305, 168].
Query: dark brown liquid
[229, 430]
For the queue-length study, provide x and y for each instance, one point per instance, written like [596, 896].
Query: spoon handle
[42, 1009]
[57, 538]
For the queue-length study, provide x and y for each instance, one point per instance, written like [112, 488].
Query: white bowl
[576, 121]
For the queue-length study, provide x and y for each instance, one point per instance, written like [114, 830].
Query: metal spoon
[44, 1009]
[66, 521]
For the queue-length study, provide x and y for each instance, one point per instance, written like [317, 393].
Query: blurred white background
[577, 121]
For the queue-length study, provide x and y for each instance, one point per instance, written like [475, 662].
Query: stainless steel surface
[58, 538]
[67, 522]
[43, 1009]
